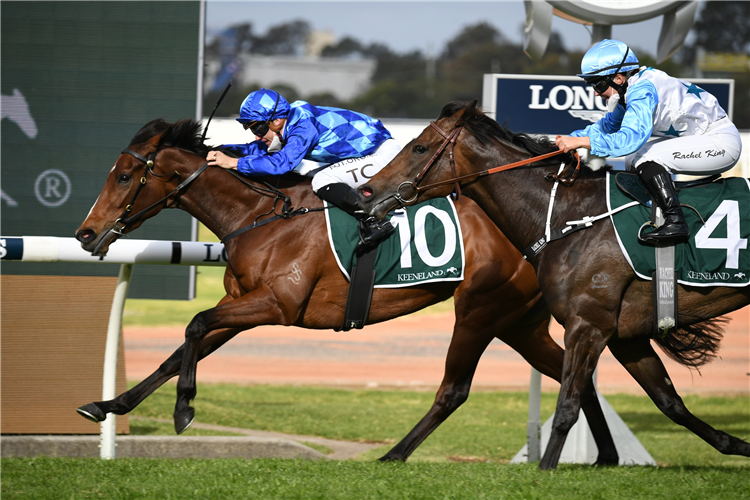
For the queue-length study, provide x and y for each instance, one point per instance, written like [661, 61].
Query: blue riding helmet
[607, 58]
[259, 106]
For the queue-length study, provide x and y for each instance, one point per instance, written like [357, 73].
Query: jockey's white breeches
[714, 152]
[356, 171]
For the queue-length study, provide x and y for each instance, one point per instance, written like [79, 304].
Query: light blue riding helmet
[607, 58]
[263, 105]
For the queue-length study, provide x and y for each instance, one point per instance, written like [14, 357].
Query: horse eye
[123, 179]
[419, 149]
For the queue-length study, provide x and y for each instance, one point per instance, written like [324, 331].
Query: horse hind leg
[128, 400]
[642, 362]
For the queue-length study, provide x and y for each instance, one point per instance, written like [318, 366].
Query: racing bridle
[449, 142]
[125, 220]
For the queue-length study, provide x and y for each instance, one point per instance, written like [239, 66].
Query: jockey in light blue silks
[693, 134]
[338, 148]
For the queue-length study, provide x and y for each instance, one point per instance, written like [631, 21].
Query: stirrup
[374, 238]
[640, 231]
[662, 239]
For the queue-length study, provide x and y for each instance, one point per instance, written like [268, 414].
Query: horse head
[431, 162]
[452, 154]
[144, 179]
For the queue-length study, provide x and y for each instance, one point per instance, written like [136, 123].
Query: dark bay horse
[499, 296]
[464, 141]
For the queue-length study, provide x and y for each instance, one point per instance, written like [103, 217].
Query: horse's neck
[224, 204]
[518, 202]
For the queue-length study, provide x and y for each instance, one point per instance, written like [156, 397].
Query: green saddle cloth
[716, 254]
[426, 247]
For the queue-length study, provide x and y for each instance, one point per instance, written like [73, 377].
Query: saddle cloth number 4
[732, 243]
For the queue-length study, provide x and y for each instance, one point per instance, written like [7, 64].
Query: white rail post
[108, 427]
[534, 425]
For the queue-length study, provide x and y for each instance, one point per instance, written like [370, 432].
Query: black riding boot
[371, 230]
[659, 184]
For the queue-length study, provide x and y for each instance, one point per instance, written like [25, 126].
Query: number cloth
[427, 246]
[716, 254]
[696, 137]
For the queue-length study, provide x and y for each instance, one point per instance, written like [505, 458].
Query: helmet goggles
[602, 83]
[258, 128]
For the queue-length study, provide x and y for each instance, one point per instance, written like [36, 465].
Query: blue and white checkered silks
[316, 133]
[605, 57]
[341, 133]
[258, 106]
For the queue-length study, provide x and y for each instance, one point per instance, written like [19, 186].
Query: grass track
[464, 458]
[491, 425]
[291, 479]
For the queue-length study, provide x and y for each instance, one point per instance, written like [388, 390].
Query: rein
[287, 211]
[450, 141]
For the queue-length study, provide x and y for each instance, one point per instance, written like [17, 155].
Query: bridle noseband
[124, 221]
[450, 142]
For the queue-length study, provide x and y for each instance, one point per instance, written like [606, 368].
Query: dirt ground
[410, 352]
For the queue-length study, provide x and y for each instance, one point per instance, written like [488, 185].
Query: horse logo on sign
[16, 109]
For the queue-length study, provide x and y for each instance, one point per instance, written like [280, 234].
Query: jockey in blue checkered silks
[338, 148]
[661, 124]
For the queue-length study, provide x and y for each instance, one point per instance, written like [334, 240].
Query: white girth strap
[553, 193]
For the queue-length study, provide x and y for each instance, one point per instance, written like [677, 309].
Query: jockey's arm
[633, 126]
[256, 160]
[569, 143]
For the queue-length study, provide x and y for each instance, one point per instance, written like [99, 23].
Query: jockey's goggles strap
[617, 66]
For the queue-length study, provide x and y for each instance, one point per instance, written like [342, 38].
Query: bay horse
[164, 167]
[618, 315]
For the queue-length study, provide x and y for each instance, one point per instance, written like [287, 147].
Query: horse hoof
[607, 462]
[92, 412]
[183, 420]
[547, 466]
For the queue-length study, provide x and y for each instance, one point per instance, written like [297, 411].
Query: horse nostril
[85, 235]
[366, 192]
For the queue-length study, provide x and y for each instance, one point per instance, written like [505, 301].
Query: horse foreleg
[466, 347]
[258, 307]
[128, 400]
[543, 353]
[639, 358]
[583, 346]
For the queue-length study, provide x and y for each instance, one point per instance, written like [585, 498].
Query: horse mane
[486, 130]
[185, 134]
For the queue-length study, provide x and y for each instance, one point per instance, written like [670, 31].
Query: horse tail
[696, 344]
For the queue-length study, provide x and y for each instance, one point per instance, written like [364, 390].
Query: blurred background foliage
[417, 85]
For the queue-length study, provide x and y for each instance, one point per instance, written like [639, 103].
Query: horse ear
[454, 107]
